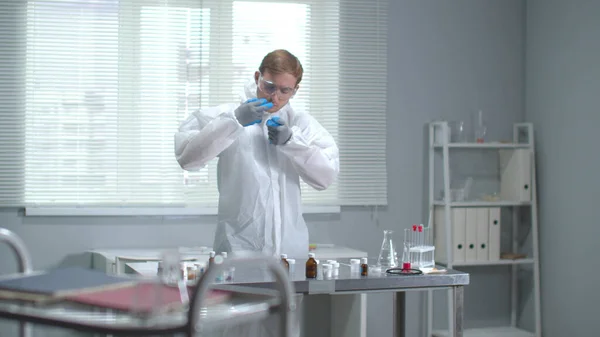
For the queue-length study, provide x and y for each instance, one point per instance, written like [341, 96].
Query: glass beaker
[387, 255]
[174, 272]
[458, 133]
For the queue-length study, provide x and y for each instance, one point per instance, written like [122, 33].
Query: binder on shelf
[458, 222]
[483, 230]
[494, 234]
[439, 234]
[515, 175]
[459, 228]
[471, 234]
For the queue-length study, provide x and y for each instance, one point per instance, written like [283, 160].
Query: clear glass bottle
[387, 255]
[480, 128]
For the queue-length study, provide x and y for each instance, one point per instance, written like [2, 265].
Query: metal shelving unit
[443, 223]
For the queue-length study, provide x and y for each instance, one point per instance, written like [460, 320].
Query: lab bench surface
[345, 282]
[348, 292]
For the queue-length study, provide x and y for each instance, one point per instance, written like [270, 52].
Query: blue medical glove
[279, 132]
[251, 111]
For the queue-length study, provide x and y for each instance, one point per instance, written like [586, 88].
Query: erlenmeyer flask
[387, 254]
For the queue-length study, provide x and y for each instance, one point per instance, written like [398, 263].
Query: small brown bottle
[364, 267]
[191, 273]
[285, 263]
[311, 266]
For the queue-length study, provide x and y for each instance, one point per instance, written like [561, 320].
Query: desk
[347, 291]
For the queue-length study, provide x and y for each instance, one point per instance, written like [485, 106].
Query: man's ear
[256, 76]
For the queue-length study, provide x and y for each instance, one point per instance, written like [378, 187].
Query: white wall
[563, 87]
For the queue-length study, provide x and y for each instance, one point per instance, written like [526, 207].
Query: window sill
[148, 211]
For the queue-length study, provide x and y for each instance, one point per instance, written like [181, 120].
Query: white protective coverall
[260, 207]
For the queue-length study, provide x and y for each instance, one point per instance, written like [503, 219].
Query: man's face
[277, 89]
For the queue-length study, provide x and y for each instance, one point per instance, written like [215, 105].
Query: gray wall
[563, 83]
[446, 60]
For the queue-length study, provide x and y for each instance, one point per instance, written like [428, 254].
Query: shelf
[482, 203]
[489, 263]
[489, 332]
[490, 146]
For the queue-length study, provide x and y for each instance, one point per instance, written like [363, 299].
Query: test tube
[406, 262]
[407, 234]
[421, 245]
[414, 243]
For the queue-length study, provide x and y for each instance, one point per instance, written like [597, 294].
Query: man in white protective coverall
[264, 147]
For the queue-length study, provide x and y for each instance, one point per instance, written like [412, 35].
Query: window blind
[92, 91]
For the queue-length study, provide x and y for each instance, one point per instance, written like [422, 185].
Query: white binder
[458, 236]
[439, 234]
[494, 235]
[483, 230]
[515, 175]
[471, 234]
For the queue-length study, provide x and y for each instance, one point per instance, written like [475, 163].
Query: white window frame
[129, 56]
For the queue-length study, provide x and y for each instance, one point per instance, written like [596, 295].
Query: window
[105, 84]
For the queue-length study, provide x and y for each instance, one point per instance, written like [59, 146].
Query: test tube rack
[418, 249]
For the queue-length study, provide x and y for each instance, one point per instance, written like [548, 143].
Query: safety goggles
[271, 89]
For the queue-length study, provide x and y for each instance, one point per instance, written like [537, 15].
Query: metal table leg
[456, 322]
[458, 303]
[399, 314]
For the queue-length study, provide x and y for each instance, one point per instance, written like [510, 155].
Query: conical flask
[387, 254]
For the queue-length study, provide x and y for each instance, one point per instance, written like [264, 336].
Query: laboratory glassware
[457, 132]
[311, 266]
[174, 272]
[480, 129]
[418, 247]
[387, 255]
